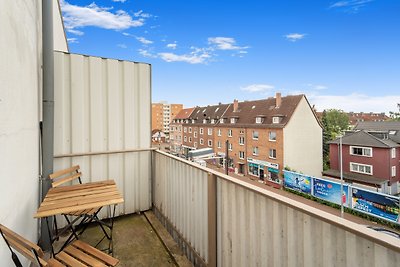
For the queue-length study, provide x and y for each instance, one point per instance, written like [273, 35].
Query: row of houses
[261, 137]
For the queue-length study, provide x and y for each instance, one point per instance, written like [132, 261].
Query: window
[361, 151]
[184, 129]
[272, 153]
[360, 168]
[195, 134]
[204, 120]
[190, 129]
[185, 138]
[233, 120]
[201, 141]
[241, 132]
[209, 131]
[212, 120]
[219, 144]
[393, 171]
[195, 144]
[192, 121]
[187, 121]
[275, 119]
[241, 140]
[190, 139]
[241, 154]
[230, 147]
[272, 136]
[258, 120]
[255, 135]
[219, 132]
[201, 130]
[255, 150]
[393, 153]
[229, 133]
[209, 142]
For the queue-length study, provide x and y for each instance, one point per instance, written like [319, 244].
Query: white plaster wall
[20, 82]
[303, 141]
[60, 40]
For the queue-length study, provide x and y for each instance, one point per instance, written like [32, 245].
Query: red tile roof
[184, 113]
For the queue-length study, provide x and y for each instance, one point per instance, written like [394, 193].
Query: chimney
[235, 105]
[278, 100]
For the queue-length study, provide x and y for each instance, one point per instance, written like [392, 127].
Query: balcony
[218, 220]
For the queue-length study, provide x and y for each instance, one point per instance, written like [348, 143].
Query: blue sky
[341, 54]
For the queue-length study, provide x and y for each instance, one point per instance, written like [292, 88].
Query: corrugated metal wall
[256, 227]
[180, 194]
[105, 105]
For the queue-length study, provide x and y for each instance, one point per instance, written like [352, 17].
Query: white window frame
[255, 151]
[204, 121]
[201, 130]
[230, 133]
[230, 147]
[212, 120]
[184, 129]
[209, 131]
[233, 120]
[209, 143]
[195, 144]
[219, 132]
[393, 171]
[219, 144]
[201, 141]
[241, 140]
[358, 167]
[363, 154]
[272, 156]
[190, 129]
[241, 154]
[393, 151]
[269, 136]
[185, 139]
[195, 134]
[190, 139]
[255, 138]
[275, 120]
[221, 120]
[258, 120]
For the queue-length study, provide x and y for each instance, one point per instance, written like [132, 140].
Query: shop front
[263, 170]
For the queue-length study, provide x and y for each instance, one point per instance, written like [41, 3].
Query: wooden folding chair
[77, 253]
[61, 177]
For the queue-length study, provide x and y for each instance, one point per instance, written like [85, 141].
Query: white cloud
[76, 32]
[317, 86]
[356, 102]
[254, 88]
[72, 40]
[225, 43]
[350, 5]
[146, 53]
[141, 14]
[192, 58]
[293, 37]
[121, 1]
[126, 34]
[172, 46]
[124, 46]
[144, 40]
[92, 15]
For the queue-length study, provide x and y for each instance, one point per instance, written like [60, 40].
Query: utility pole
[226, 156]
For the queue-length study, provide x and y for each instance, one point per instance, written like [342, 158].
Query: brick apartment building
[371, 156]
[356, 117]
[162, 114]
[175, 137]
[264, 135]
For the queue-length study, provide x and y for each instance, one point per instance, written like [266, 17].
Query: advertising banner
[376, 204]
[298, 182]
[330, 191]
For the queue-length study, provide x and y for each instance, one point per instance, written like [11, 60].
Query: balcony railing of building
[220, 221]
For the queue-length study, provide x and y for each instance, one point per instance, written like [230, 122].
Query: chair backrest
[66, 175]
[23, 246]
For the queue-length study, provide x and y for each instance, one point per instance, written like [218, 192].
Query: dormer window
[221, 120]
[192, 120]
[212, 121]
[276, 120]
[233, 120]
[187, 121]
[204, 120]
[259, 120]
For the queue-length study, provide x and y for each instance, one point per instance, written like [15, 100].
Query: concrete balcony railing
[218, 220]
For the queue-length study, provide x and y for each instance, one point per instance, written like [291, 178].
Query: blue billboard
[330, 191]
[381, 205]
[297, 181]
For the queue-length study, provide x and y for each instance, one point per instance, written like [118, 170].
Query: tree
[395, 116]
[334, 122]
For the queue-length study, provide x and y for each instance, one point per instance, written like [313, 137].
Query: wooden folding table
[80, 198]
